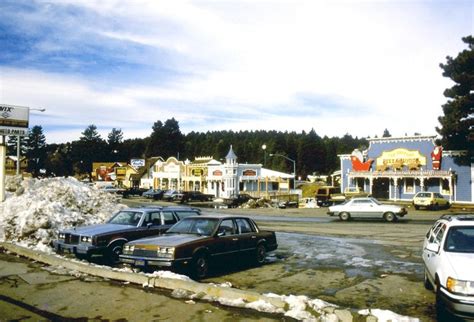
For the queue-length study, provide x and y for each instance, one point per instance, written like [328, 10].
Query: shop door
[381, 187]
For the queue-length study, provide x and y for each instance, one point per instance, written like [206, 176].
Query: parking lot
[357, 264]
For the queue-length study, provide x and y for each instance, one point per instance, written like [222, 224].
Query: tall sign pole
[13, 121]
[2, 169]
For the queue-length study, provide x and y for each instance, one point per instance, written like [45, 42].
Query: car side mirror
[149, 225]
[433, 247]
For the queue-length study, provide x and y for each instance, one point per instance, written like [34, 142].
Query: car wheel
[426, 281]
[86, 257]
[344, 216]
[417, 207]
[260, 255]
[200, 266]
[389, 217]
[113, 252]
[441, 313]
[436, 207]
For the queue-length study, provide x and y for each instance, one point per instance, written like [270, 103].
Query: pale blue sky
[339, 67]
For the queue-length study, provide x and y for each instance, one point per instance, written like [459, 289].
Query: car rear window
[186, 214]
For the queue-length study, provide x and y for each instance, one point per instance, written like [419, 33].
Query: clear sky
[339, 67]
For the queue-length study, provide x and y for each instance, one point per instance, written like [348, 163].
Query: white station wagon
[366, 208]
[448, 257]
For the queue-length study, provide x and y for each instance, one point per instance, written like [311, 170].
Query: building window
[409, 185]
[445, 187]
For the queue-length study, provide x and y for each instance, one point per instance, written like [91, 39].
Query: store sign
[197, 172]
[249, 173]
[401, 157]
[217, 173]
[137, 163]
[121, 173]
[14, 120]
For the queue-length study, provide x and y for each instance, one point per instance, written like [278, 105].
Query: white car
[448, 256]
[366, 208]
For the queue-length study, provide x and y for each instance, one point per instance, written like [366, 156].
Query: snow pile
[387, 316]
[32, 214]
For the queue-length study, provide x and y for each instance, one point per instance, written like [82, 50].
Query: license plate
[139, 262]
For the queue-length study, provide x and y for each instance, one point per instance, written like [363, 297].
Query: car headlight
[167, 252]
[128, 249]
[460, 287]
[62, 236]
[86, 239]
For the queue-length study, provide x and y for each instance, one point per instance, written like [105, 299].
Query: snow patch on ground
[387, 316]
[35, 209]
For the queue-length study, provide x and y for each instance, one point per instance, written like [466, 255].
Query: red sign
[217, 173]
[249, 173]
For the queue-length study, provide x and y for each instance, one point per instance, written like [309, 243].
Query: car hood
[462, 264]
[170, 240]
[99, 229]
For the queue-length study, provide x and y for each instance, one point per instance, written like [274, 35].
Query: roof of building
[267, 173]
[231, 154]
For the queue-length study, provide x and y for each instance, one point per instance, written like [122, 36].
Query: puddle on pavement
[43, 278]
[357, 257]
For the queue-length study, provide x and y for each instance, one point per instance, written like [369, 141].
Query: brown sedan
[195, 242]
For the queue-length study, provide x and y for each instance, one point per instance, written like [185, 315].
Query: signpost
[13, 121]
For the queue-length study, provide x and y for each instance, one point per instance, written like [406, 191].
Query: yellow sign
[197, 172]
[401, 157]
[121, 172]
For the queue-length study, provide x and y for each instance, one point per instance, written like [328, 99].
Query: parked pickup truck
[327, 196]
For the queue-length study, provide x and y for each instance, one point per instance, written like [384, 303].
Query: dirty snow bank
[36, 208]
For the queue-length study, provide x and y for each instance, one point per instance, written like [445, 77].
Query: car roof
[218, 216]
[459, 219]
[154, 208]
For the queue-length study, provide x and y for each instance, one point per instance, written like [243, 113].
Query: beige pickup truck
[329, 195]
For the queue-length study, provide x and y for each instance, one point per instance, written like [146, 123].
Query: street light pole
[294, 166]
[264, 148]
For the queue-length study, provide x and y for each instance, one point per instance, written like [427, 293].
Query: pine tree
[36, 150]
[457, 123]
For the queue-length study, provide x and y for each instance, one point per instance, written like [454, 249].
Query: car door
[432, 258]
[153, 225]
[226, 244]
[357, 208]
[247, 235]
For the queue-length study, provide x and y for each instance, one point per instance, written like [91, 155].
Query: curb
[210, 290]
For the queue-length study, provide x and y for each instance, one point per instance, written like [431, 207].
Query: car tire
[389, 217]
[344, 216]
[200, 266]
[86, 257]
[426, 281]
[441, 313]
[260, 254]
[436, 207]
[417, 207]
[113, 252]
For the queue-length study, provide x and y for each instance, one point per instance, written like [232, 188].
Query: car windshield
[200, 226]
[460, 239]
[126, 218]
